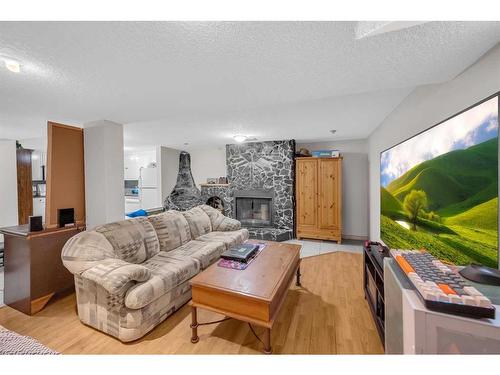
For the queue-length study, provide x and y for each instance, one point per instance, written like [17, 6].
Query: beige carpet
[15, 344]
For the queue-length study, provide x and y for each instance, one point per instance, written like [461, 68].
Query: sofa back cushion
[199, 222]
[171, 228]
[133, 240]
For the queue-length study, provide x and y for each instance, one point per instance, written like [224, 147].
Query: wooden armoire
[319, 198]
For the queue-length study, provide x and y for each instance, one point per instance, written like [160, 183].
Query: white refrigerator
[148, 187]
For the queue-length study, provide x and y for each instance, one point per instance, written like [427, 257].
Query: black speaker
[65, 216]
[35, 224]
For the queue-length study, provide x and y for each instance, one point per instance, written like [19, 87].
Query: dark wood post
[267, 341]
[194, 325]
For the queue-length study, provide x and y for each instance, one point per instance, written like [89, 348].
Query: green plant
[413, 204]
[432, 216]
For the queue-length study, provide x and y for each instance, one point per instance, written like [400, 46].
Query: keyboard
[441, 288]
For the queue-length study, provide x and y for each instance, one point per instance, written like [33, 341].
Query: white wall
[8, 185]
[354, 184]
[168, 163]
[425, 107]
[208, 162]
[39, 143]
[104, 202]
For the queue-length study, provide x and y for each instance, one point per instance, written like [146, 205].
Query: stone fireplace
[261, 188]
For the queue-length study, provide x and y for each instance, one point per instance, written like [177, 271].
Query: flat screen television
[439, 189]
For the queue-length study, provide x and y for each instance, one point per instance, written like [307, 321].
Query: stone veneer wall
[267, 166]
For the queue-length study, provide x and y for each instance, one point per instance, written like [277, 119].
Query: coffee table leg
[298, 277]
[267, 341]
[194, 325]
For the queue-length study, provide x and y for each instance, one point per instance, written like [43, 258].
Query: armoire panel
[306, 186]
[328, 194]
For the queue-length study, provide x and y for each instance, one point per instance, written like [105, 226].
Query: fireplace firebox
[254, 208]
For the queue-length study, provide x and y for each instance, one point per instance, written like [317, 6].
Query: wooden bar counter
[33, 267]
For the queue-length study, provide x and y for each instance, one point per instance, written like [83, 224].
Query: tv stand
[411, 328]
[373, 282]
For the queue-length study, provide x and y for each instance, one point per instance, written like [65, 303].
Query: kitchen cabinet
[39, 207]
[133, 162]
[132, 204]
[131, 168]
[38, 160]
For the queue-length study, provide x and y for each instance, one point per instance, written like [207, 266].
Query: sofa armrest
[228, 224]
[117, 276]
[219, 221]
[86, 250]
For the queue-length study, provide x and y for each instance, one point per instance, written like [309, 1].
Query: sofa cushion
[199, 222]
[168, 270]
[171, 228]
[204, 252]
[133, 240]
[227, 238]
[116, 276]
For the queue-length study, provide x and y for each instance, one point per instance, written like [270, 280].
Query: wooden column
[65, 173]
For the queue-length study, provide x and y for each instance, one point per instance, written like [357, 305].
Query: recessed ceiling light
[240, 138]
[333, 131]
[13, 65]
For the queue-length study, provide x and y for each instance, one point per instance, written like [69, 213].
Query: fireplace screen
[255, 212]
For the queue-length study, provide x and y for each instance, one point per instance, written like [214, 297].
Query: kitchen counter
[34, 271]
[23, 230]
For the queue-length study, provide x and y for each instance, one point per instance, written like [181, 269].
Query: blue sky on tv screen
[470, 128]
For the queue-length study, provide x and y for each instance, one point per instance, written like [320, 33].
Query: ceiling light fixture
[13, 65]
[333, 131]
[240, 138]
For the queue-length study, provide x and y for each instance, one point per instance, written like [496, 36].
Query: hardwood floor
[327, 315]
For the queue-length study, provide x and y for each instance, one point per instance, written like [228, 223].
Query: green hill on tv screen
[445, 202]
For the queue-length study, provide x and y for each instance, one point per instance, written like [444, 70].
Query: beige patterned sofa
[132, 274]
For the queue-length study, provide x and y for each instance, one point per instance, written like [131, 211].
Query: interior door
[329, 206]
[306, 172]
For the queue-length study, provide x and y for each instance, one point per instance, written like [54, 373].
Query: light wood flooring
[327, 315]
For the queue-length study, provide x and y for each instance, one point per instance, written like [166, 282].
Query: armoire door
[329, 195]
[306, 187]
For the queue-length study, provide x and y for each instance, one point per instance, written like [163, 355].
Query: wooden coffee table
[254, 295]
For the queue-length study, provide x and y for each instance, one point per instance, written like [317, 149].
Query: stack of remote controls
[441, 288]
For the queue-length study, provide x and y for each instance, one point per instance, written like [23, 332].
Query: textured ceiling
[176, 82]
